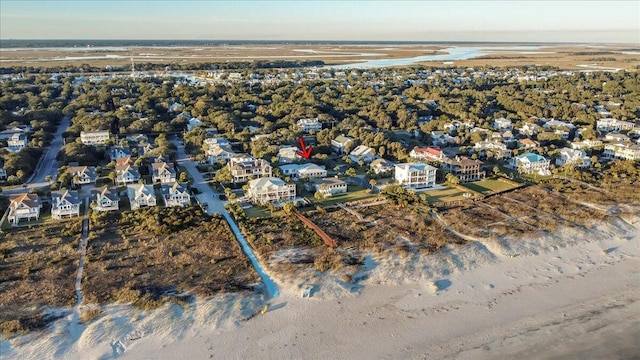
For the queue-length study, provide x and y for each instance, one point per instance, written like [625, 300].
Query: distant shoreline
[88, 43]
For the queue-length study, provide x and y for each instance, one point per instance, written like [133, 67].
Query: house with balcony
[609, 124]
[217, 154]
[94, 137]
[106, 199]
[310, 124]
[244, 167]
[23, 207]
[302, 171]
[82, 175]
[270, 190]
[328, 187]
[175, 194]
[65, 204]
[530, 163]
[415, 175]
[363, 152]
[463, 168]
[162, 172]
[621, 151]
[141, 195]
[577, 158]
[340, 144]
[127, 174]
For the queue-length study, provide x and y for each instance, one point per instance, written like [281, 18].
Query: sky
[452, 20]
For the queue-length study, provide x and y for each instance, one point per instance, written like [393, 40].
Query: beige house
[270, 190]
[23, 207]
[244, 167]
[162, 172]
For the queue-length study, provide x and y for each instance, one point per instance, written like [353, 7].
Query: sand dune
[573, 294]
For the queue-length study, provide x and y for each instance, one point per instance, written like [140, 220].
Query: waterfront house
[175, 194]
[106, 199]
[463, 168]
[141, 195]
[415, 175]
[65, 204]
[23, 207]
[328, 186]
[270, 190]
[530, 163]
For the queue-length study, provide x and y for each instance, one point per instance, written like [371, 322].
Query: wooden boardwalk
[326, 238]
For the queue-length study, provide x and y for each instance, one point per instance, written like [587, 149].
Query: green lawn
[258, 212]
[355, 193]
[490, 185]
[445, 194]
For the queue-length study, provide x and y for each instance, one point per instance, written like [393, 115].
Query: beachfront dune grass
[154, 255]
[37, 268]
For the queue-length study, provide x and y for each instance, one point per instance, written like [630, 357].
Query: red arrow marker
[306, 151]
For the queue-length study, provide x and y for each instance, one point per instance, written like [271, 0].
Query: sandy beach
[563, 296]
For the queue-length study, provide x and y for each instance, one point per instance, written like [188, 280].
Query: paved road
[48, 166]
[215, 205]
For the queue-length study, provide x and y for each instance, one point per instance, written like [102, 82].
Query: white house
[141, 195]
[310, 124]
[301, 171]
[623, 151]
[440, 138]
[175, 195]
[24, 206]
[340, 143]
[65, 203]
[502, 124]
[361, 151]
[94, 137]
[106, 199]
[530, 163]
[328, 186]
[270, 190]
[217, 141]
[577, 158]
[17, 142]
[586, 144]
[608, 124]
[415, 175]
[193, 123]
